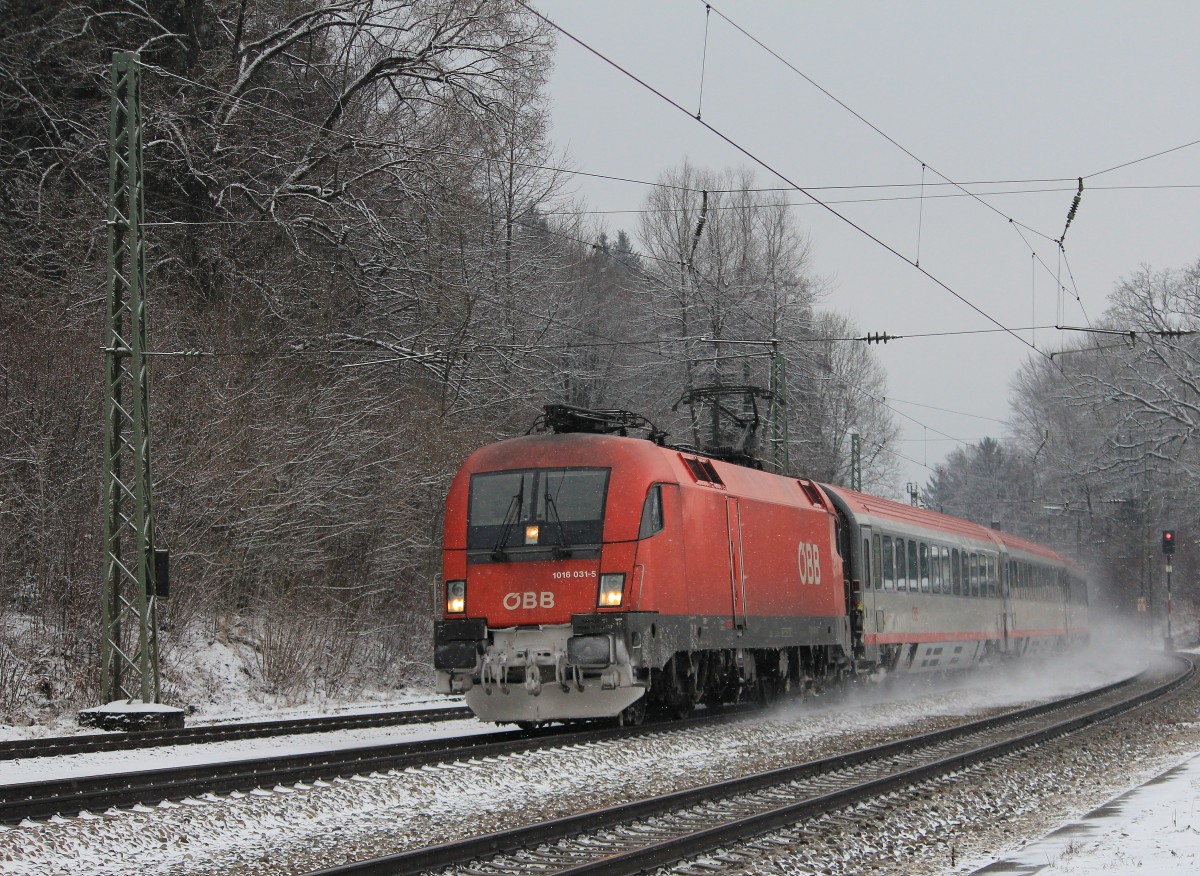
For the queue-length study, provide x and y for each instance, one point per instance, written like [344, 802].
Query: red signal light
[1168, 541]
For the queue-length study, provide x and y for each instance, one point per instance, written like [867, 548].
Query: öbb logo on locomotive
[810, 563]
[528, 600]
[589, 574]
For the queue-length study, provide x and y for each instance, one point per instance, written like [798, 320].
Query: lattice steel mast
[129, 639]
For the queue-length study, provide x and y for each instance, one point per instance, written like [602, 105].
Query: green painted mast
[129, 639]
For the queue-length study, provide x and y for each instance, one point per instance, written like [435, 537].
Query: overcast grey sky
[976, 91]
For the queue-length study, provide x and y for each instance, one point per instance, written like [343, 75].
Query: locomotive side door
[737, 566]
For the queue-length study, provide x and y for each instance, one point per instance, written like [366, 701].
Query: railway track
[55, 746]
[64, 797]
[670, 830]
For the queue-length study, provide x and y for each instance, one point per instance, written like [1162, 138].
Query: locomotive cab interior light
[456, 597]
[531, 534]
[612, 589]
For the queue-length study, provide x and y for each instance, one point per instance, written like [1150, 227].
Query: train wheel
[633, 714]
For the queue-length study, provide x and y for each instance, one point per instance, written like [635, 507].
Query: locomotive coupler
[560, 671]
[533, 674]
[500, 672]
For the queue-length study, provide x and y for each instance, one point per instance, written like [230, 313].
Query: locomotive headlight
[456, 597]
[531, 535]
[612, 589]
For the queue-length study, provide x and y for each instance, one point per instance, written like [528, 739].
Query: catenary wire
[1143, 158]
[753, 157]
[624, 179]
[863, 119]
[611, 177]
[908, 152]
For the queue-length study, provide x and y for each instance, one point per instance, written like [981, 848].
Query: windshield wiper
[561, 550]
[511, 516]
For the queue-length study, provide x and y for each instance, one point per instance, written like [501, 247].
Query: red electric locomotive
[591, 575]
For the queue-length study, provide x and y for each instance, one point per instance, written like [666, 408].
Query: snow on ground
[45, 769]
[1154, 828]
[218, 680]
[263, 831]
[955, 694]
[260, 831]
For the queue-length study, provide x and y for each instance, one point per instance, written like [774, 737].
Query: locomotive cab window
[544, 508]
[652, 513]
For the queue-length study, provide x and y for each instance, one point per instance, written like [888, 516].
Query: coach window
[947, 575]
[935, 567]
[912, 565]
[652, 513]
[974, 574]
[954, 585]
[878, 562]
[924, 567]
[901, 566]
[993, 584]
[888, 558]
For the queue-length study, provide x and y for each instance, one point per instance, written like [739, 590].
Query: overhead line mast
[133, 574]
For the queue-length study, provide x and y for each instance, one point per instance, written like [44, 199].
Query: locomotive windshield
[547, 507]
